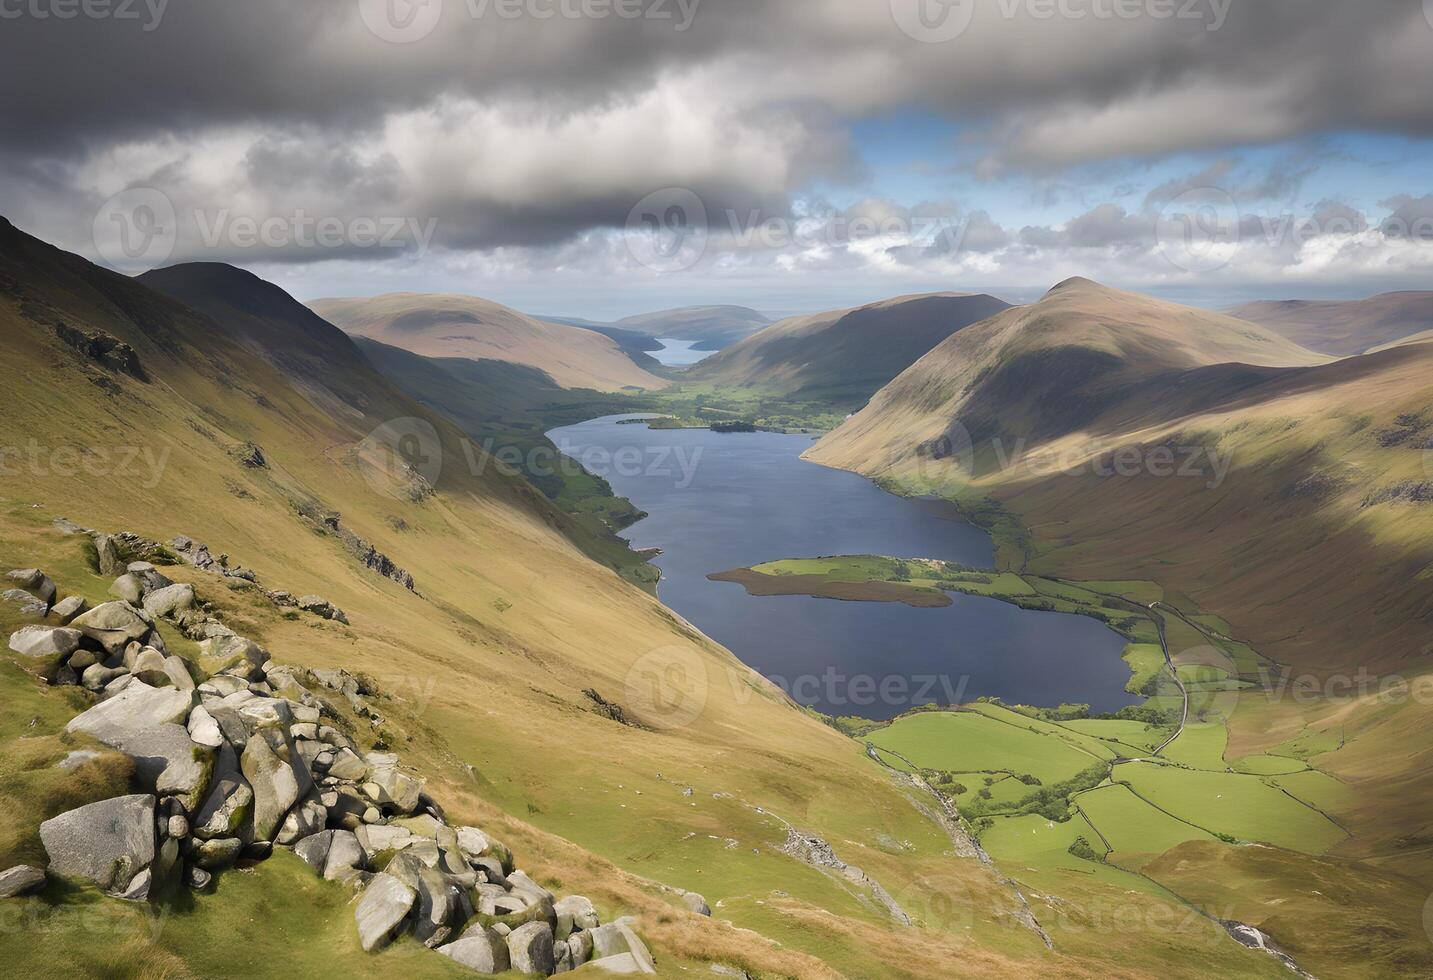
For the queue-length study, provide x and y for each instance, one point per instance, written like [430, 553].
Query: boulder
[530, 949]
[382, 911]
[225, 812]
[98, 676]
[29, 605]
[520, 883]
[481, 950]
[435, 917]
[147, 724]
[35, 582]
[21, 880]
[113, 625]
[579, 946]
[203, 729]
[259, 713]
[304, 820]
[275, 786]
[574, 914]
[222, 685]
[314, 850]
[111, 843]
[177, 670]
[383, 837]
[138, 708]
[148, 666]
[111, 560]
[169, 600]
[129, 588]
[68, 608]
[397, 790]
[216, 854]
[236, 653]
[320, 606]
[635, 946]
[347, 765]
[151, 579]
[696, 903]
[45, 641]
[619, 963]
[472, 841]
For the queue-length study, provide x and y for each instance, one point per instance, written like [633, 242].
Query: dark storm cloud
[526, 130]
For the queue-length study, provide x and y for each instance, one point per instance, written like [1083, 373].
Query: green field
[1244, 807]
[962, 742]
[1200, 746]
[1135, 830]
[1135, 734]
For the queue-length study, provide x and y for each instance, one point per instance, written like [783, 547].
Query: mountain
[136, 412]
[477, 329]
[1108, 436]
[844, 356]
[1344, 327]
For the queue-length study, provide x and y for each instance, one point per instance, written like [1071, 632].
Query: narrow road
[1158, 620]
[1169, 662]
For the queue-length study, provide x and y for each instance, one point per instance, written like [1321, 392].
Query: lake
[680, 353]
[723, 501]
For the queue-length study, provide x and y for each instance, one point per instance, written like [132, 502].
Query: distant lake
[680, 353]
[719, 502]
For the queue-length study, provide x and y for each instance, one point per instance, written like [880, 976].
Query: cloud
[530, 138]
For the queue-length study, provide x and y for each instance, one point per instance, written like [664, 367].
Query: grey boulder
[530, 949]
[147, 724]
[35, 582]
[113, 625]
[382, 911]
[481, 950]
[45, 641]
[111, 561]
[68, 608]
[276, 780]
[21, 880]
[169, 600]
[129, 588]
[111, 843]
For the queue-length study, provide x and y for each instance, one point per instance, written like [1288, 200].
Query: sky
[601, 158]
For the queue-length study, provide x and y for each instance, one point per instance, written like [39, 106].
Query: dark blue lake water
[723, 501]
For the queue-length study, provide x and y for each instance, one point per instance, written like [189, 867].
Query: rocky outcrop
[111, 352]
[246, 755]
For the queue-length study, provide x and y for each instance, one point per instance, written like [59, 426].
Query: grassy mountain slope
[844, 356]
[483, 669]
[1303, 521]
[465, 326]
[506, 409]
[1344, 327]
